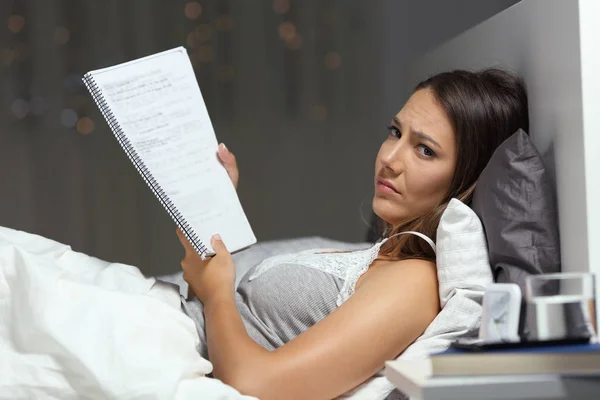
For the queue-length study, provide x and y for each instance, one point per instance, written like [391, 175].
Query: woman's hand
[227, 158]
[211, 279]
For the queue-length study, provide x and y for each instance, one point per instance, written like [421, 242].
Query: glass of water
[561, 306]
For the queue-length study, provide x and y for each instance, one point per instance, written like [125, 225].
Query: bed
[72, 325]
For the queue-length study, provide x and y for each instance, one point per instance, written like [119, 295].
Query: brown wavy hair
[485, 108]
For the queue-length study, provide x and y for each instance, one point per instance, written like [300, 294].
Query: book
[155, 109]
[576, 359]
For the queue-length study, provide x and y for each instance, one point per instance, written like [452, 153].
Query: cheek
[429, 184]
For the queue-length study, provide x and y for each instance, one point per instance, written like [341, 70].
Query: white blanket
[73, 326]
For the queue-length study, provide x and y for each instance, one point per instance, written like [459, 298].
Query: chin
[388, 211]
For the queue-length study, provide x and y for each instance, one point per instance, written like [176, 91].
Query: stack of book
[517, 359]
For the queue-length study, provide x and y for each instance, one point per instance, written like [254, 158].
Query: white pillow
[463, 272]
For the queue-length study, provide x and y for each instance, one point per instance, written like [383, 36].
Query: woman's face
[416, 163]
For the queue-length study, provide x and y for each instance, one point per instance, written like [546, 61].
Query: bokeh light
[332, 60]
[61, 35]
[287, 31]
[281, 6]
[16, 23]
[295, 43]
[68, 118]
[224, 22]
[20, 108]
[85, 125]
[192, 10]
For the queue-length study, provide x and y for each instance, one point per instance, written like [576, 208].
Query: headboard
[553, 45]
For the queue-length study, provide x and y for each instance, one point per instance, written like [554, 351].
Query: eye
[393, 131]
[426, 151]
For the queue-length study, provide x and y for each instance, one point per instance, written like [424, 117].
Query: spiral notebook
[154, 107]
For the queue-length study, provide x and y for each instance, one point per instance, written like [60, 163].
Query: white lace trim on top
[348, 266]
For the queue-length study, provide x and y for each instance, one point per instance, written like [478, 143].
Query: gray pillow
[516, 203]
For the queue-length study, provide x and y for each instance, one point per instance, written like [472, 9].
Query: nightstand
[413, 377]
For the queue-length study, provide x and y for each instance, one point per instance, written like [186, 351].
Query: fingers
[230, 164]
[184, 242]
[215, 241]
[225, 155]
[218, 246]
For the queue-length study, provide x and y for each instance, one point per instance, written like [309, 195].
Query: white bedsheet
[73, 326]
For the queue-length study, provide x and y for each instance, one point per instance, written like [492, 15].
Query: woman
[318, 323]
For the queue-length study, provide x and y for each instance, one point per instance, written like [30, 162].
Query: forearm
[234, 355]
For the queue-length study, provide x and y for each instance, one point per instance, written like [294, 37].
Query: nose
[392, 157]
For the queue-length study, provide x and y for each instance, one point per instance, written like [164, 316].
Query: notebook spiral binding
[185, 227]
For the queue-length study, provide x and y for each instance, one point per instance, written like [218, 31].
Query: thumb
[224, 153]
[217, 244]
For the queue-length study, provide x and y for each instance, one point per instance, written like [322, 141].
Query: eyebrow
[420, 135]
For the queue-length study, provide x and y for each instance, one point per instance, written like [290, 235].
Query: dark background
[300, 91]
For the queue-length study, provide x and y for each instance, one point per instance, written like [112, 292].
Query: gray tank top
[284, 295]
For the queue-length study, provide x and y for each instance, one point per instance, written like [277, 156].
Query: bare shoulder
[402, 273]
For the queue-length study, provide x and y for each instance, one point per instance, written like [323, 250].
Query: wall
[414, 28]
[589, 29]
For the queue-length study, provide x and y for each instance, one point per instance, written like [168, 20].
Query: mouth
[385, 186]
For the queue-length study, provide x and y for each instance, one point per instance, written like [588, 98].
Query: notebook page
[159, 107]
